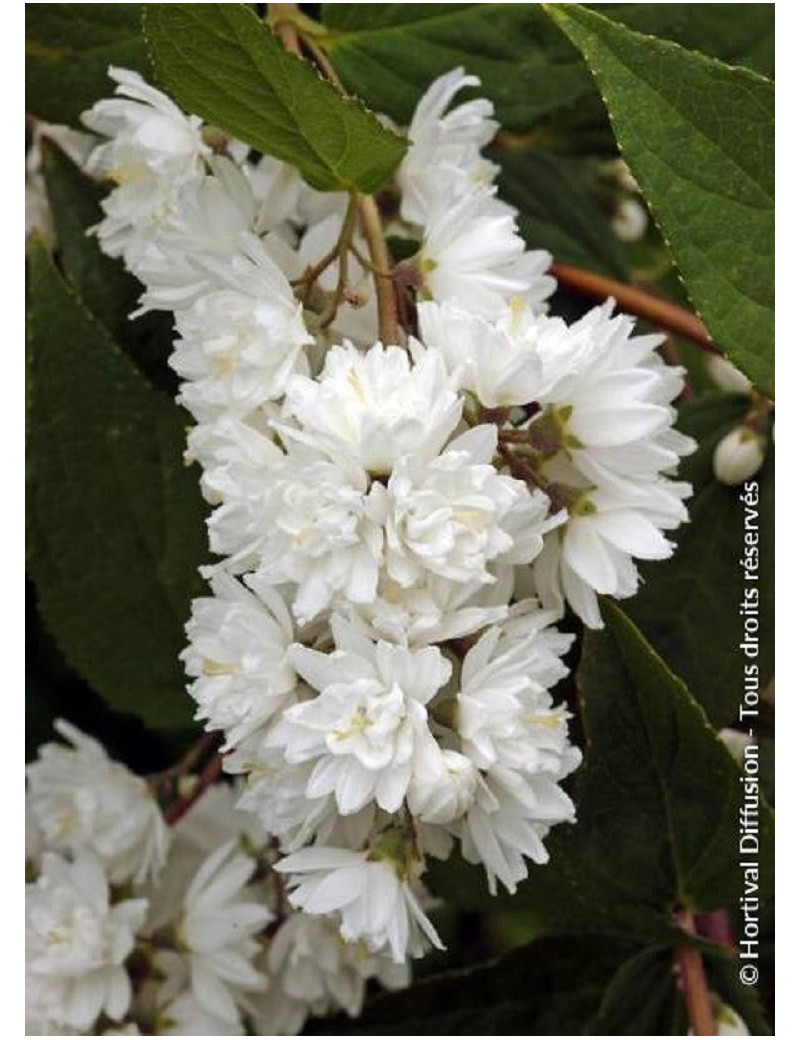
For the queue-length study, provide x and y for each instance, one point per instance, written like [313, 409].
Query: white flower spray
[381, 684]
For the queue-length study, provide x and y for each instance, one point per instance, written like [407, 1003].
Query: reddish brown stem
[207, 777]
[639, 302]
[695, 985]
[716, 926]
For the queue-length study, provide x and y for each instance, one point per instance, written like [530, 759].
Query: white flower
[739, 455]
[153, 149]
[196, 248]
[368, 721]
[375, 407]
[498, 361]
[77, 943]
[38, 218]
[472, 256]
[605, 437]
[455, 514]
[726, 375]
[443, 785]
[186, 1016]
[238, 347]
[312, 971]
[434, 609]
[276, 187]
[275, 793]
[237, 656]
[445, 148]
[217, 927]
[509, 818]
[505, 712]
[83, 801]
[296, 516]
[374, 902]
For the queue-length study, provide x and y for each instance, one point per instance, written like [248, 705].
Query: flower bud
[630, 221]
[739, 455]
[728, 1021]
[727, 376]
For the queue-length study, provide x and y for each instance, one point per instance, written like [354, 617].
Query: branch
[210, 774]
[695, 985]
[637, 301]
[204, 745]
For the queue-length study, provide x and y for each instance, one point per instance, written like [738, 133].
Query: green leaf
[220, 62]
[533, 76]
[548, 988]
[699, 138]
[643, 999]
[657, 771]
[558, 213]
[688, 606]
[117, 517]
[738, 34]
[524, 66]
[102, 282]
[68, 48]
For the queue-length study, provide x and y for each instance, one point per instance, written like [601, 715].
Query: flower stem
[637, 301]
[381, 262]
[370, 219]
[281, 17]
[695, 985]
[342, 249]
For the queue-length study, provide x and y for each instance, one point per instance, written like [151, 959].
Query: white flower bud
[739, 455]
[728, 1021]
[727, 376]
[630, 221]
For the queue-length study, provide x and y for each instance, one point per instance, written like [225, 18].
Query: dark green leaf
[117, 517]
[657, 771]
[102, 283]
[68, 50]
[549, 988]
[524, 67]
[643, 999]
[688, 607]
[739, 34]
[529, 72]
[558, 213]
[221, 63]
[699, 138]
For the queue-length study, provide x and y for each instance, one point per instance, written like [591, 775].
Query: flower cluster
[133, 927]
[399, 524]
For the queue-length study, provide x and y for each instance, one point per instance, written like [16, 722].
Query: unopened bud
[355, 296]
[727, 376]
[739, 455]
[727, 1021]
[630, 221]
